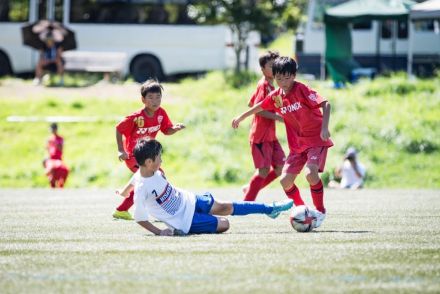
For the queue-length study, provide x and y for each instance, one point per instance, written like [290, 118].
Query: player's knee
[312, 175]
[278, 170]
[263, 172]
[222, 225]
[285, 181]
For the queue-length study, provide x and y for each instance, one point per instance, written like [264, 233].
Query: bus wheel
[5, 68]
[146, 67]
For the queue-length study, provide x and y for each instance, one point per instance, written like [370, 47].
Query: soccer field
[372, 241]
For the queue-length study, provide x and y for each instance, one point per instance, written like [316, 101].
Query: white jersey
[349, 176]
[156, 197]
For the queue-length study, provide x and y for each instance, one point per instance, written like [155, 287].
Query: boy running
[307, 131]
[142, 124]
[55, 143]
[266, 150]
[182, 211]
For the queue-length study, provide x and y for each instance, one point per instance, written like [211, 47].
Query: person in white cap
[351, 172]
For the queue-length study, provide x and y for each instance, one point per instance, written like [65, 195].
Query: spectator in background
[351, 173]
[50, 56]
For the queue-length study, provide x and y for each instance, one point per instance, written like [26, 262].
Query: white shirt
[349, 176]
[156, 197]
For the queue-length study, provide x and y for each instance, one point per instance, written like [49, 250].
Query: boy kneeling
[183, 212]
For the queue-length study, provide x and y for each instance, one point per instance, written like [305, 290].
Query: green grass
[375, 241]
[283, 44]
[394, 123]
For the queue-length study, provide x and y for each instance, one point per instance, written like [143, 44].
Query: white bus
[158, 37]
[379, 44]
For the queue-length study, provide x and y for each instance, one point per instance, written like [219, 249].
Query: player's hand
[178, 127]
[122, 155]
[325, 134]
[167, 232]
[236, 122]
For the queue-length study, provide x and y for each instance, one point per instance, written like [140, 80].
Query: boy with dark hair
[266, 150]
[307, 131]
[182, 211]
[142, 124]
[55, 143]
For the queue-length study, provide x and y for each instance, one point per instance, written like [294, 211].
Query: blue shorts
[203, 222]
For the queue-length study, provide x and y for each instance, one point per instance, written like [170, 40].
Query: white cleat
[320, 217]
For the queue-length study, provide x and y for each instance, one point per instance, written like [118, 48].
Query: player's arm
[122, 155]
[255, 109]
[174, 129]
[325, 133]
[270, 115]
[155, 230]
[125, 192]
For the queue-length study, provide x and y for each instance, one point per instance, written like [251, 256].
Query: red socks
[317, 191]
[127, 203]
[294, 194]
[254, 187]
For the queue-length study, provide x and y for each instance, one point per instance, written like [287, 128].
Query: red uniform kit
[54, 146]
[303, 120]
[56, 172]
[135, 127]
[266, 150]
[139, 126]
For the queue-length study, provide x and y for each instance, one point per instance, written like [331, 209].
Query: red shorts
[296, 161]
[267, 154]
[132, 164]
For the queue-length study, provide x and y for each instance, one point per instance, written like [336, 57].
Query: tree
[242, 17]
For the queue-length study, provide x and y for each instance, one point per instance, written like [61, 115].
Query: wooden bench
[112, 64]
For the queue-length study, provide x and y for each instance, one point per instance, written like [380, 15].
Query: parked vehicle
[375, 44]
[158, 37]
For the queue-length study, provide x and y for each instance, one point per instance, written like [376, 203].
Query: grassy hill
[393, 122]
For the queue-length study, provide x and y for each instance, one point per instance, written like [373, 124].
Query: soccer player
[55, 143]
[265, 148]
[142, 124]
[307, 131]
[182, 211]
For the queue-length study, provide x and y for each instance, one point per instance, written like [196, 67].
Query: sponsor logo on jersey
[291, 108]
[169, 200]
[150, 130]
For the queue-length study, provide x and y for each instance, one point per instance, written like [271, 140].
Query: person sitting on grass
[183, 212]
[50, 56]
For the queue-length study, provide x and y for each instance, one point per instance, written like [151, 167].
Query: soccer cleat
[280, 206]
[319, 218]
[122, 215]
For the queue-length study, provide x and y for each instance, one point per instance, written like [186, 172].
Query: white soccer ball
[302, 219]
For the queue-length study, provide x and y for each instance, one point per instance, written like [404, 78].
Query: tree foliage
[244, 16]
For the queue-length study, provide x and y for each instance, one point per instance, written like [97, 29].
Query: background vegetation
[393, 122]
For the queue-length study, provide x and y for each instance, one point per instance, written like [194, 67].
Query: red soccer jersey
[302, 116]
[139, 126]
[55, 146]
[262, 129]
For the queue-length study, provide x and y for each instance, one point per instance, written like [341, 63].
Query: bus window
[14, 10]
[424, 25]
[362, 25]
[402, 29]
[130, 12]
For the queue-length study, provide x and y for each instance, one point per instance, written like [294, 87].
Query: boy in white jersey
[182, 211]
